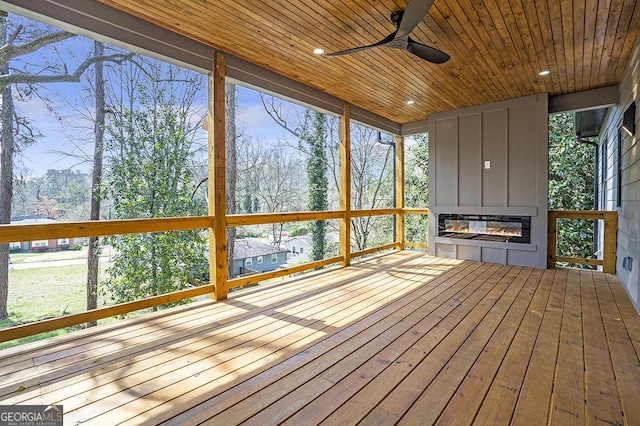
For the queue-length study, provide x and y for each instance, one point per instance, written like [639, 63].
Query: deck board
[403, 338]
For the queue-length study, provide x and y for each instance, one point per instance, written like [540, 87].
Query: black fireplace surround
[496, 228]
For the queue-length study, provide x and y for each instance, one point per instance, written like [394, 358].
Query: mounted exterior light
[544, 72]
[318, 51]
[629, 119]
[411, 102]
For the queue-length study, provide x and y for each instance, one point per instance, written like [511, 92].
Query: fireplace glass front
[497, 228]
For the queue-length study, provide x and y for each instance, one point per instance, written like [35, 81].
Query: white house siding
[629, 206]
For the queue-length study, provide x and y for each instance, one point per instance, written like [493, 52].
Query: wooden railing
[12, 233]
[610, 218]
[412, 244]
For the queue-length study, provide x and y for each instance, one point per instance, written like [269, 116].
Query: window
[40, 243]
[248, 262]
[14, 246]
[274, 258]
[260, 260]
[619, 170]
[301, 249]
[603, 176]
[63, 241]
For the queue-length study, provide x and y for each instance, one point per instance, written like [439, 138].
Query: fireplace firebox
[497, 228]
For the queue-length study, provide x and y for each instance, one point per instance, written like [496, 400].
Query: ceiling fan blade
[382, 42]
[427, 53]
[413, 15]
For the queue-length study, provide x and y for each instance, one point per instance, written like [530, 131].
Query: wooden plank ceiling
[497, 47]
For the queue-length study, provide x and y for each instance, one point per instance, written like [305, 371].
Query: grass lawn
[46, 256]
[49, 292]
[40, 293]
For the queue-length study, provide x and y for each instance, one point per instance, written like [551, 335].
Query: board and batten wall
[620, 165]
[491, 159]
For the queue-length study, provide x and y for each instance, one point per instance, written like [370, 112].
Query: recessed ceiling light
[411, 102]
[318, 51]
[544, 72]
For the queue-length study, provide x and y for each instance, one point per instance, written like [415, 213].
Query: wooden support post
[610, 242]
[399, 217]
[216, 173]
[345, 186]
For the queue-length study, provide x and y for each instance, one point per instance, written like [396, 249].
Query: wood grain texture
[399, 187]
[345, 186]
[610, 219]
[497, 47]
[216, 182]
[401, 338]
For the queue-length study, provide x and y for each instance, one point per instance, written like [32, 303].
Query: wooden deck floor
[403, 338]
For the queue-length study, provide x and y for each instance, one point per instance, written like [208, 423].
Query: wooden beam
[580, 260]
[43, 326]
[373, 212]
[610, 219]
[345, 186]
[587, 99]
[268, 218]
[50, 231]
[610, 242]
[216, 171]
[389, 246]
[422, 246]
[253, 279]
[399, 177]
[410, 210]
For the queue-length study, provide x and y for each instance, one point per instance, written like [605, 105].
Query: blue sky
[64, 129]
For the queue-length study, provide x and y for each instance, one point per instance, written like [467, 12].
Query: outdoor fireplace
[497, 228]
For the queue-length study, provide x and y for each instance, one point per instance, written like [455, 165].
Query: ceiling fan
[405, 21]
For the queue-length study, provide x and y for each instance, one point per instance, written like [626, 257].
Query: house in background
[301, 244]
[38, 245]
[254, 256]
[300, 247]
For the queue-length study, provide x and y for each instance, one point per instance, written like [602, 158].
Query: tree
[311, 131]
[268, 181]
[93, 252]
[6, 170]
[231, 167]
[150, 173]
[571, 185]
[371, 185]
[416, 186]
[317, 180]
[47, 207]
[19, 40]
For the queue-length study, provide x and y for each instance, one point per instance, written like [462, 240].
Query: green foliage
[417, 173]
[59, 194]
[571, 185]
[150, 174]
[41, 293]
[297, 229]
[417, 188]
[317, 180]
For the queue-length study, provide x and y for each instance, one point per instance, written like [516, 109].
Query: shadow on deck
[403, 337]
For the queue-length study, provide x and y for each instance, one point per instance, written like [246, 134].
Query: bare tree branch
[277, 116]
[10, 51]
[21, 78]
